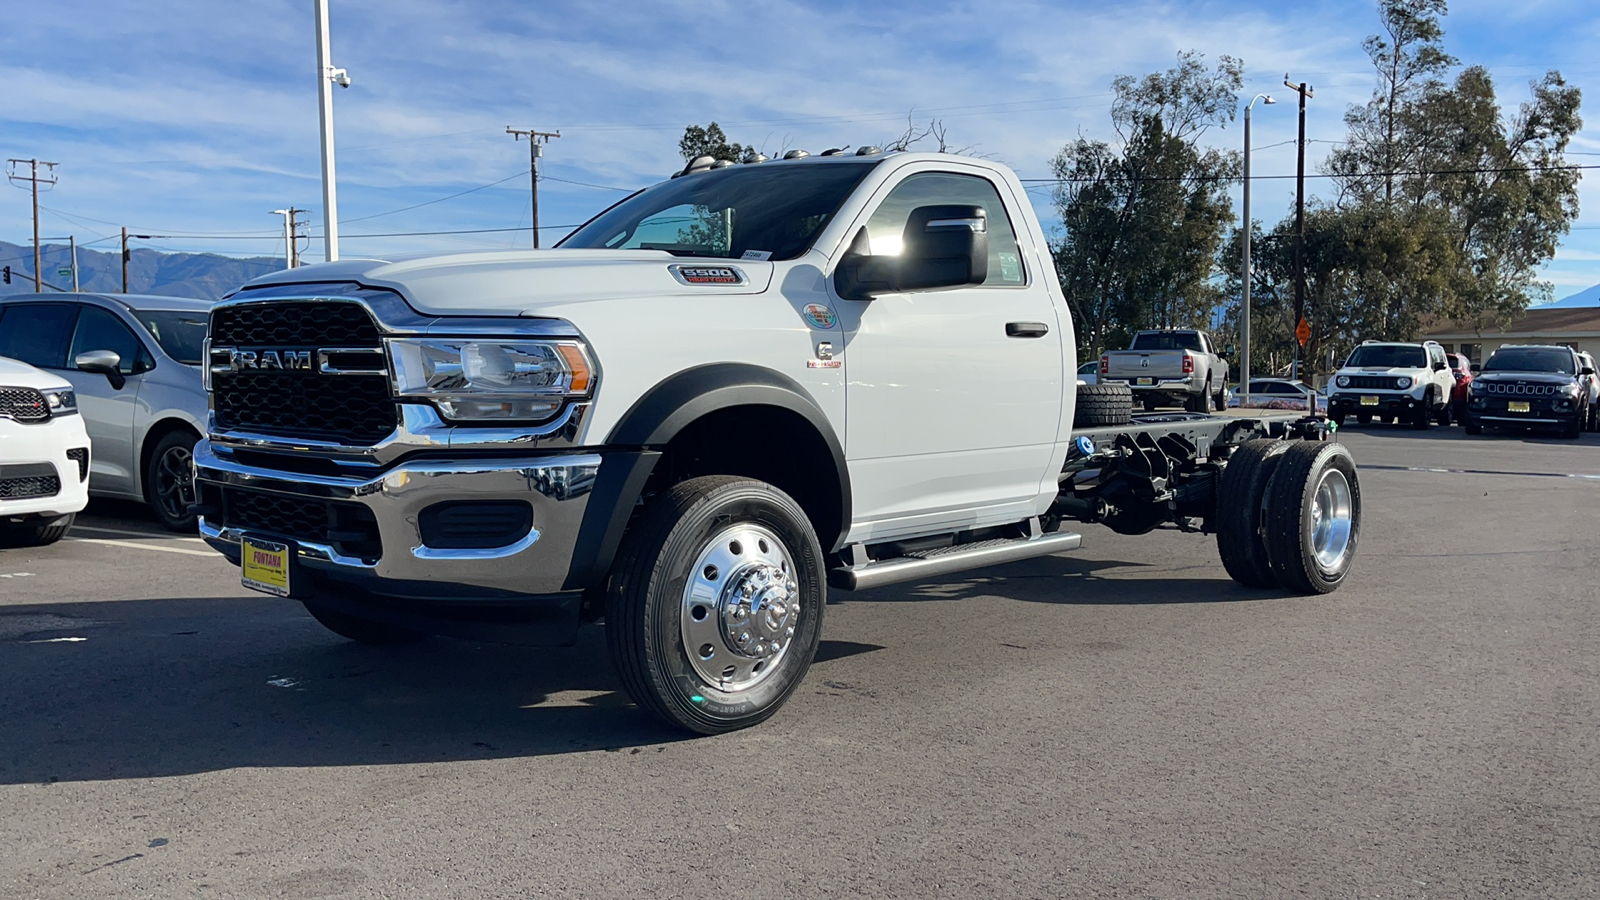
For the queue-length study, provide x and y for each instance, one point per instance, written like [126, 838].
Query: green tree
[710, 141]
[1142, 220]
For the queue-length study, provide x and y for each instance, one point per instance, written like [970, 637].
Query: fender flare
[634, 446]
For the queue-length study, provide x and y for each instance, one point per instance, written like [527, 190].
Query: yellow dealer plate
[265, 566]
[1369, 401]
[1517, 406]
[1146, 381]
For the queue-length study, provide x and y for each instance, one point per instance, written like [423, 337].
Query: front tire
[1472, 425]
[36, 533]
[1313, 517]
[714, 607]
[169, 481]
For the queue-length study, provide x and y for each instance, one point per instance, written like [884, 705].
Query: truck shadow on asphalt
[152, 688]
[1074, 581]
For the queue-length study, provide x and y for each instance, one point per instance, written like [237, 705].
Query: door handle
[1026, 329]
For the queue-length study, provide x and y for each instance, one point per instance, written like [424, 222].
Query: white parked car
[44, 456]
[1396, 382]
[1278, 393]
[1089, 372]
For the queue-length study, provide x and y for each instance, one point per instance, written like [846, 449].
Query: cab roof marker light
[796, 154]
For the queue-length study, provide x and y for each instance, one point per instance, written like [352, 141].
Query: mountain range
[206, 276]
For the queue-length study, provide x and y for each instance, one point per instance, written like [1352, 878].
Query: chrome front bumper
[557, 487]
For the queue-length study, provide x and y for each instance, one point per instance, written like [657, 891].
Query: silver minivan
[134, 362]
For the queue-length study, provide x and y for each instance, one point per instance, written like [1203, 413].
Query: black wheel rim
[175, 483]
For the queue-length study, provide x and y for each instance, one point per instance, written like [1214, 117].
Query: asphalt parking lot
[1121, 721]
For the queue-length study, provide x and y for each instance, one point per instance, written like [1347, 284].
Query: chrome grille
[23, 404]
[307, 403]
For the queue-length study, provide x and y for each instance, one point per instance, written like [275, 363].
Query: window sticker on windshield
[1010, 267]
[820, 316]
[757, 255]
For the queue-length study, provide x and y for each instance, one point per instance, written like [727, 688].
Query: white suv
[44, 456]
[1395, 381]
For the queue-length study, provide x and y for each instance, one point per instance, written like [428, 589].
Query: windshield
[1388, 357]
[1166, 340]
[1531, 359]
[746, 211]
[180, 334]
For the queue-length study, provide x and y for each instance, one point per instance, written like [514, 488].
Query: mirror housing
[105, 362]
[1586, 370]
[1475, 368]
[942, 247]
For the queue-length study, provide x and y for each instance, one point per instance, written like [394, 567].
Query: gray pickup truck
[1173, 367]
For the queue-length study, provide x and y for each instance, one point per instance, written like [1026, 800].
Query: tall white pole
[1244, 323]
[1244, 320]
[330, 202]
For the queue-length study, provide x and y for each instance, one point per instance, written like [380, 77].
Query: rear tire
[360, 630]
[1103, 404]
[714, 606]
[1443, 417]
[1313, 517]
[1151, 404]
[36, 533]
[1239, 514]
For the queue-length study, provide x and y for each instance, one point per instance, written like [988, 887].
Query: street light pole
[327, 77]
[1244, 324]
[1304, 90]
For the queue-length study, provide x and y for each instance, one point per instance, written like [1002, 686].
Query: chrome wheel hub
[740, 607]
[1332, 520]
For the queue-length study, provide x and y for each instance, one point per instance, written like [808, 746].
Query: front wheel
[169, 481]
[36, 532]
[714, 607]
[1574, 429]
[1472, 425]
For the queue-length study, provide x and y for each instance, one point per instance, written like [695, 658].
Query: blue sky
[196, 118]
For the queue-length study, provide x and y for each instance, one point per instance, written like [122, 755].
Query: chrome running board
[945, 560]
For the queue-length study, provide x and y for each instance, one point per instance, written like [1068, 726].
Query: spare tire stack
[1103, 404]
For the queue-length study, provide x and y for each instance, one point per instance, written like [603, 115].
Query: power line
[437, 200]
[1235, 178]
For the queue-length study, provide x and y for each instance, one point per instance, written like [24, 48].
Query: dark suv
[1530, 387]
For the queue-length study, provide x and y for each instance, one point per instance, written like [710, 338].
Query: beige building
[1578, 328]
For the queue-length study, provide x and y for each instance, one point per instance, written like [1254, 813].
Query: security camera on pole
[327, 77]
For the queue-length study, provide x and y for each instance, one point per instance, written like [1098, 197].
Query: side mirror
[105, 362]
[941, 247]
[1476, 368]
[1586, 370]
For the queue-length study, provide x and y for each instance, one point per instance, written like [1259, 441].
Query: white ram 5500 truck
[719, 398]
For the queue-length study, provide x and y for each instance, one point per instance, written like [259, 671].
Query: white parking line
[138, 534]
[157, 547]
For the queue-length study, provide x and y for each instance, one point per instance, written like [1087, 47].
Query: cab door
[953, 397]
[109, 410]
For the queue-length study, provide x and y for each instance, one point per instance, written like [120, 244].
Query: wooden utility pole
[1300, 326]
[124, 260]
[536, 141]
[34, 180]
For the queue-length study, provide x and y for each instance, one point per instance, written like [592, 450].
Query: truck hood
[1411, 371]
[525, 282]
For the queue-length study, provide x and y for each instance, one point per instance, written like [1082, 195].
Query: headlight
[1478, 387]
[1403, 382]
[61, 403]
[486, 380]
[1342, 381]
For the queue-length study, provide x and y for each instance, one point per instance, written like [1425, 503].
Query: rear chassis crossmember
[1162, 468]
